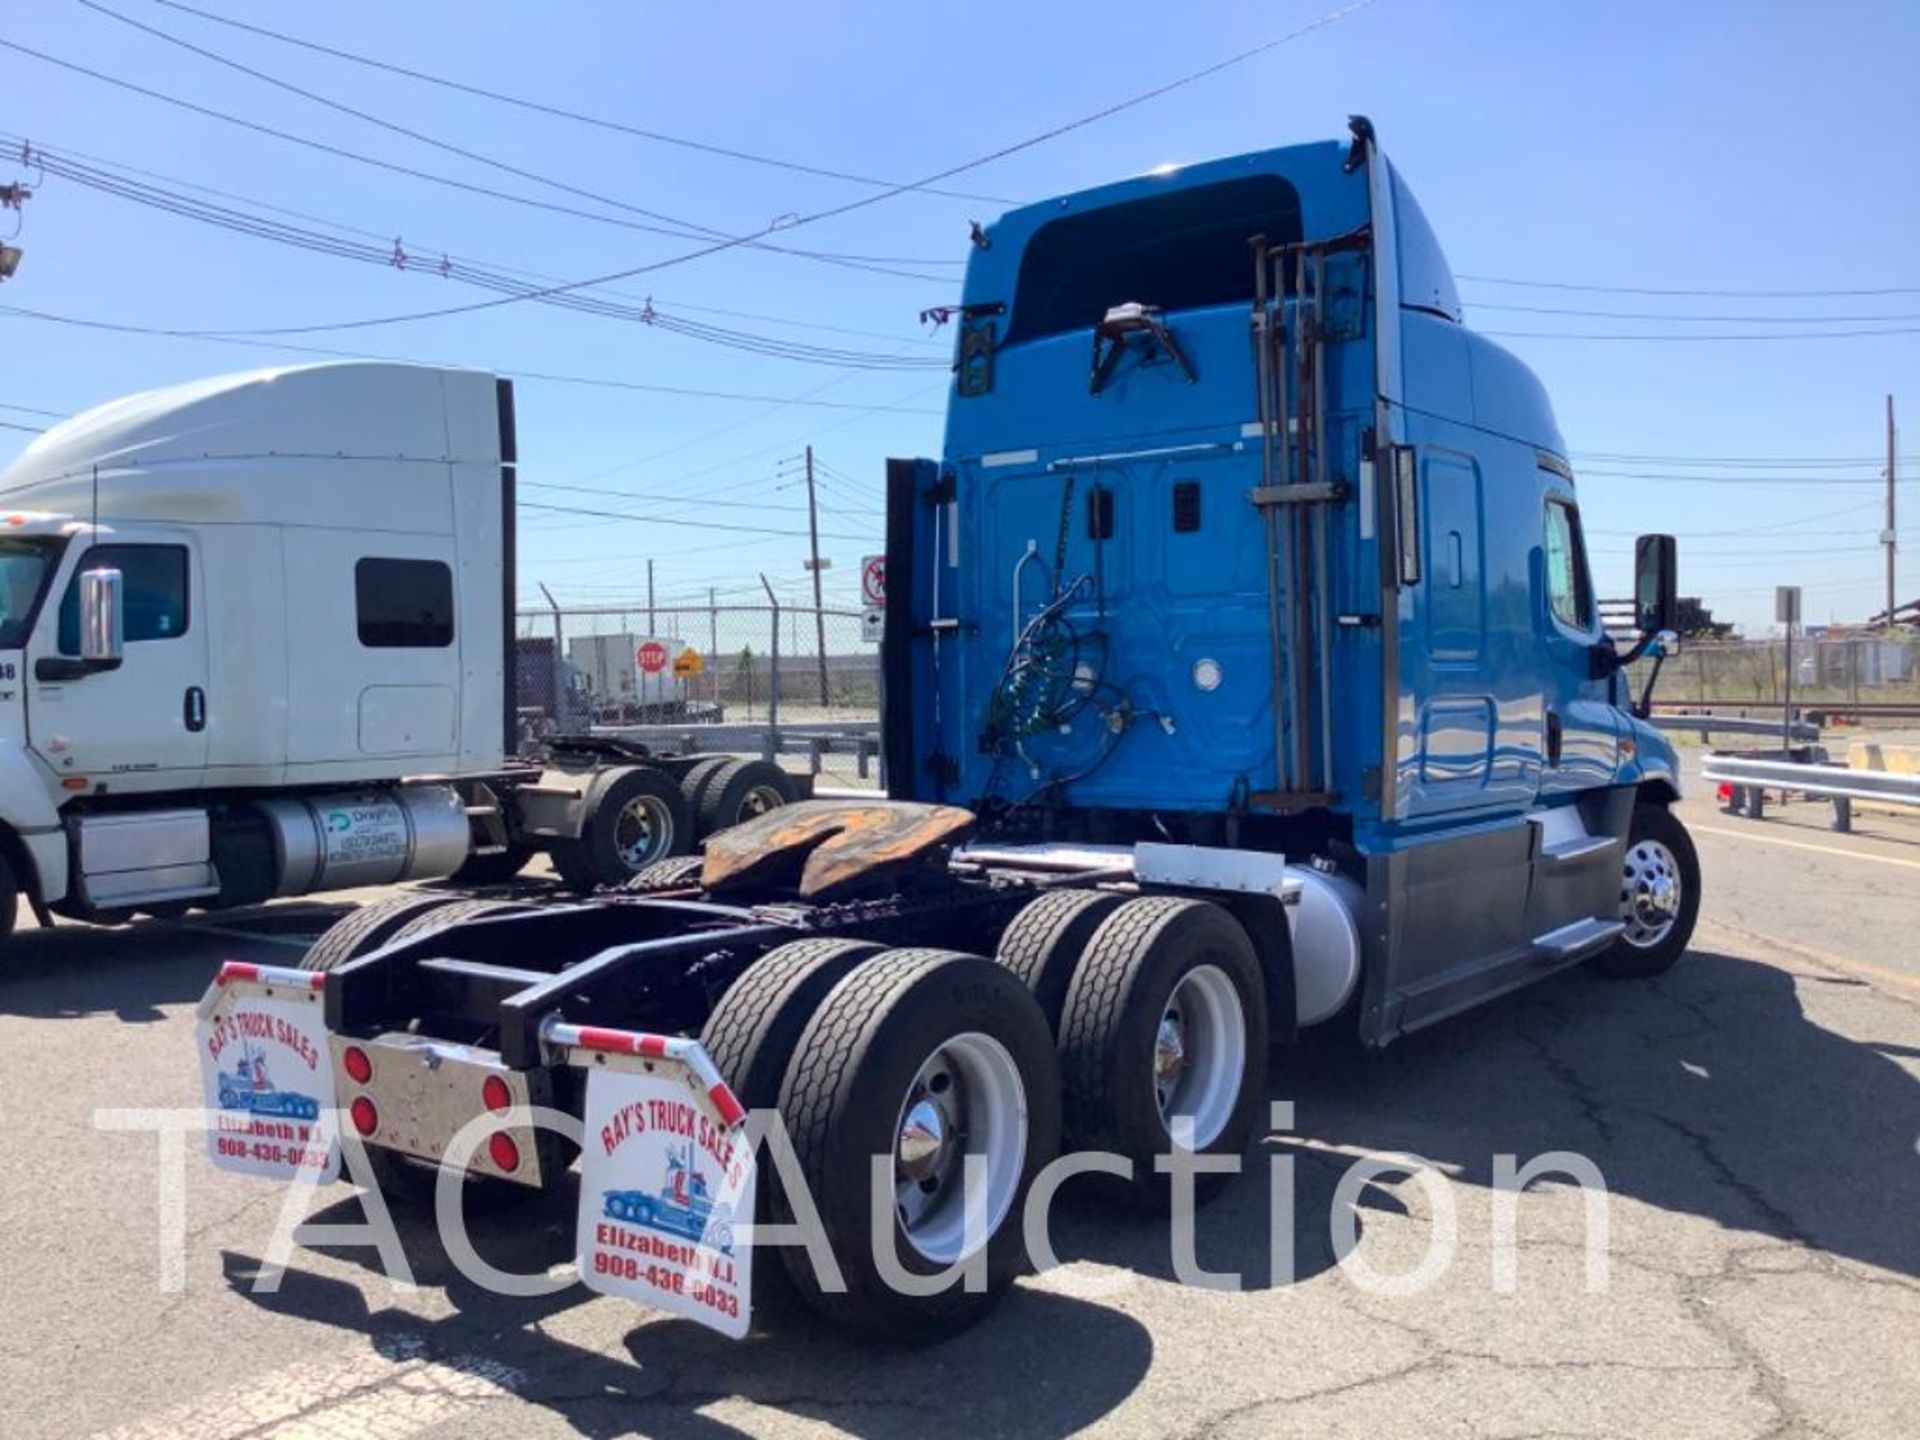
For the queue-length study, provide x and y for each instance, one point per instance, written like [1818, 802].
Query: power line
[559, 112]
[1808, 480]
[29, 429]
[1760, 529]
[685, 392]
[32, 154]
[1700, 294]
[1700, 319]
[688, 228]
[1769, 460]
[847, 207]
[1757, 335]
[752, 241]
[665, 520]
[33, 410]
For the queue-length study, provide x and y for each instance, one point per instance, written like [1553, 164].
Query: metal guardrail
[1751, 777]
[1733, 725]
[860, 739]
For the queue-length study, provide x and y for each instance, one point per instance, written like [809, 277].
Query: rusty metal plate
[835, 847]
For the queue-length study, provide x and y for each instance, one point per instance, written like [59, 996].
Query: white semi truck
[256, 640]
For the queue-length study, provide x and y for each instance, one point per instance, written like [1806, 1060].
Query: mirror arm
[1644, 706]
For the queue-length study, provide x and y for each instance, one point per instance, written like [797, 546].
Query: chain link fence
[1852, 669]
[786, 681]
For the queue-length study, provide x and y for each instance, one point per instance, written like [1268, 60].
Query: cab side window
[1569, 594]
[153, 580]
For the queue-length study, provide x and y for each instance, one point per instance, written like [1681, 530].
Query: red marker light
[359, 1068]
[365, 1118]
[504, 1153]
[495, 1095]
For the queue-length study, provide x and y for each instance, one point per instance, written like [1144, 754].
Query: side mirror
[1656, 583]
[102, 617]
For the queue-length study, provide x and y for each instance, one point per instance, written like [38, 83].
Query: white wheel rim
[1200, 1054]
[1650, 894]
[966, 1100]
[643, 831]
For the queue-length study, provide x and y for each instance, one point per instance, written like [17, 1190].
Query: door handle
[194, 711]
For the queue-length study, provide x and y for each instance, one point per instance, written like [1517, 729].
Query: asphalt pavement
[1754, 1114]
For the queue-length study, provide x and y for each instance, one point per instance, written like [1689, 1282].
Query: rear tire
[443, 916]
[370, 927]
[741, 790]
[1659, 897]
[1166, 1016]
[1044, 943]
[751, 1036]
[693, 784]
[907, 1032]
[679, 873]
[635, 816]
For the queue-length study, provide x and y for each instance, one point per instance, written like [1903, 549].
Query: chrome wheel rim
[1651, 892]
[967, 1101]
[758, 801]
[1200, 1055]
[643, 831]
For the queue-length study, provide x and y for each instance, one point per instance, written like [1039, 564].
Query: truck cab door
[1582, 741]
[143, 724]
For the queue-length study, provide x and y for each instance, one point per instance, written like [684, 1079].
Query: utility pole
[1888, 536]
[819, 614]
[649, 596]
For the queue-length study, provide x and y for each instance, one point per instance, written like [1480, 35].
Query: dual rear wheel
[923, 1090]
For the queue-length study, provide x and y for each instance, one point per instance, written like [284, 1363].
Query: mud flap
[266, 1073]
[666, 1176]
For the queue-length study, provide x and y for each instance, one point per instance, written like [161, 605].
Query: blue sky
[1707, 145]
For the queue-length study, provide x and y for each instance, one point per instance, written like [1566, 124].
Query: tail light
[365, 1118]
[358, 1066]
[503, 1152]
[495, 1095]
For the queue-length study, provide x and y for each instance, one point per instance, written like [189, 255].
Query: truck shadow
[132, 970]
[1708, 1092]
[1059, 1362]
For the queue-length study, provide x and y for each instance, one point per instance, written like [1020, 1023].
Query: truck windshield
[25, 566]
[1176, 251]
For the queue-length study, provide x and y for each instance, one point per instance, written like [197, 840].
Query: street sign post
[873, 597]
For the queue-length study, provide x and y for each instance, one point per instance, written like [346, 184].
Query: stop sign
[652, 656]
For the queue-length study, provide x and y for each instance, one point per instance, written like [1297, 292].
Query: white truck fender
[28, 811]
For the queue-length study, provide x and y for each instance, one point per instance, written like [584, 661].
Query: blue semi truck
[1243, 675]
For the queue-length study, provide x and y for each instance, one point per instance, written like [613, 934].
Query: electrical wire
[33, 154]
[687, 229]
[559, 112]
[1756, 335]
[667, 520]
[1701, 319]
[1698, 294]
[752, 241]
[220, 338]
[847, 207]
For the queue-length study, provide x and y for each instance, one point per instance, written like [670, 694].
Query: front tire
[1659, 897]
[926, 1060]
